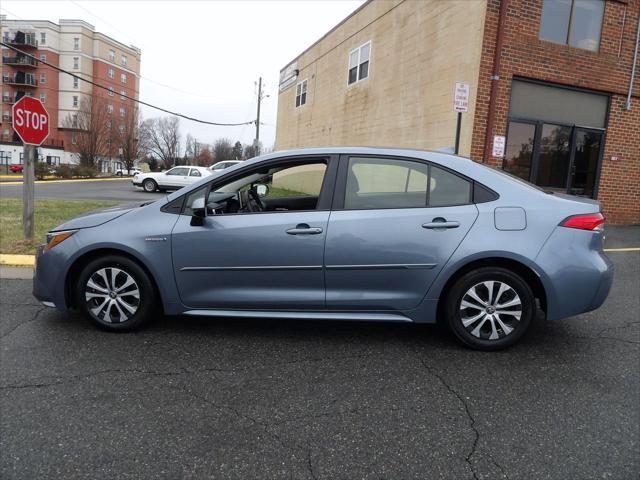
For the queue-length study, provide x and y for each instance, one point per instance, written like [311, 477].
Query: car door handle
[440, 223]
[304, 229]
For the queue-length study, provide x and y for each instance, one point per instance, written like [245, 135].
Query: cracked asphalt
[249, 399]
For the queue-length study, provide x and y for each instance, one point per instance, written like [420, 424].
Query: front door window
[585, 162]
[554, 157]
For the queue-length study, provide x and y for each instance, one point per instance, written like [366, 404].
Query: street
[118, 190]
[206, 398]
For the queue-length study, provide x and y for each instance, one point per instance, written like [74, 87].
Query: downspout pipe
[495, 77]
[633, 67]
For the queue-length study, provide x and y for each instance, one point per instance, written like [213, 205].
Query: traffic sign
[461, 97]
[30, 120]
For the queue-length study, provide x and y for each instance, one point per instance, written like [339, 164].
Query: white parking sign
[461, 97]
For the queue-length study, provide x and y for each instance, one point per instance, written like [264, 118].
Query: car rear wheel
[115, 293]
[490, 308]
[149, 185]
[119, 174]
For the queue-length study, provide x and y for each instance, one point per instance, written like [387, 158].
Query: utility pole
[257, 140]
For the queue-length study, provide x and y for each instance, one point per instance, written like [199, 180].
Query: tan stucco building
[418, 50]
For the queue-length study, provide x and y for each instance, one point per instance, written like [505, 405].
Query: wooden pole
[28, 174]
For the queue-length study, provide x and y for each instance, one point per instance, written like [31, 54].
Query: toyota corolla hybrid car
[338, 233]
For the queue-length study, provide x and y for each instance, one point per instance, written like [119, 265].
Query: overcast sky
[203, 58]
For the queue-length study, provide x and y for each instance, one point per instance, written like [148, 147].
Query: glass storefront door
[561, 158]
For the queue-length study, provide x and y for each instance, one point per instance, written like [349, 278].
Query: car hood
[97, 217]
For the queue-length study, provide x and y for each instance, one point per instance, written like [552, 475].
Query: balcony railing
[18, 79]
[20, 61]
[8, 99]
[21, 39]
[7, 119]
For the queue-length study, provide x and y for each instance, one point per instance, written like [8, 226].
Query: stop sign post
[31, 123]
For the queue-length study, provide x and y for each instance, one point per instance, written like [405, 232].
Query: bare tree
[90, 130]
[160, 137]
[126, 137]
[222, 149]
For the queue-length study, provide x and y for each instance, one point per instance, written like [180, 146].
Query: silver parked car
[338, 233]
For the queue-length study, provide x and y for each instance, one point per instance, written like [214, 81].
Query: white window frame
[122, 95]
[112, 56]
[303, 84]
[76, 83]
[74, 138]
[43, 57]
[110, 92]
[359, 63]
[76, 63]
[123, 78]
[110, 108]
[43, 38]
[43, 78]
[76, 43]
[123, 60]
[123, 112]
[43, 97]
[75, 101]
[111, 73]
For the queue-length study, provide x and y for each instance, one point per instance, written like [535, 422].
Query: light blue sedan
[338, 233]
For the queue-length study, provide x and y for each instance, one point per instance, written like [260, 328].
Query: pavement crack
[469, 415]
[35, 317]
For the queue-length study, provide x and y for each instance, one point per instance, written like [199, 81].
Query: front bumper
[48, 279]
[136, 184]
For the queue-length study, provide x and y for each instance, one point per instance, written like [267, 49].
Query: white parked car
[123, 171]
[173, 179]
[223, 164]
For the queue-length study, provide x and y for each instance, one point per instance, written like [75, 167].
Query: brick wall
[608, 70]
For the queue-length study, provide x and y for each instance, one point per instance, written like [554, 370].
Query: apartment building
[72, 45]
[555, 77]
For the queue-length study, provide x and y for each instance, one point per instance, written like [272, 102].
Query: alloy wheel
[490, 310]
[112, 295]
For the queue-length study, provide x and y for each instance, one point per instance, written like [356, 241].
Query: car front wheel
[490, 308]
[149, 185]
[115, 293]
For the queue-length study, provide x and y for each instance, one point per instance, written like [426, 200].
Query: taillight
[588, 221]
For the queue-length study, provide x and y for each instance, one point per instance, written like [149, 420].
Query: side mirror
[262, 190]
[198, 208]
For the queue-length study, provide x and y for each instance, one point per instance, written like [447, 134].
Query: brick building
[73, 45]
[552, 76]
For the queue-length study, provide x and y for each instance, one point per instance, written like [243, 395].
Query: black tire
[119, 174]
[149, 185]
[144, 305]
[514, 328]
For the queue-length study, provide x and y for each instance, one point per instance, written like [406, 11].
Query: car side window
[385, 183]
[446, 188]
[179, 171]
[396, 183]
[195, 173]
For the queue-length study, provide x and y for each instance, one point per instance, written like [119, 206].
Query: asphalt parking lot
[118, 190]
[245, 399]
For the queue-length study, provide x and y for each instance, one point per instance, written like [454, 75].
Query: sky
[203, 58]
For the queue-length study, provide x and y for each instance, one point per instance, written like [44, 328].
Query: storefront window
[553, 162]
[519, 149]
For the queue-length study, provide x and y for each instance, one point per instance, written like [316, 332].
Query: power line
[186, 117]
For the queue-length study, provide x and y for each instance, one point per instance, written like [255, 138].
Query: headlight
[135, 177]
[54, 238]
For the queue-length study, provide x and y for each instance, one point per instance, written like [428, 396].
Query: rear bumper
[579, 273]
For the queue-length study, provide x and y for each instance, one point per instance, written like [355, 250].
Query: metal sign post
[460, 105]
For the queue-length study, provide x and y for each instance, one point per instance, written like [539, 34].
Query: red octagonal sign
[30, 120]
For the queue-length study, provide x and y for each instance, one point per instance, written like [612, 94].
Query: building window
[110, 92]
[109, 124]
[76, 43]
[109, 108]
[122, 112]
[43, 78]
[123, 95]
[110, 73]
[43, 97]
[572, 22]
[301, 93]
[74, 138]
[5, 158]
[121, 128]
[74, 121]
[76, 63]
[75, 101]
[43, 38]
[123, 78]
[124, 60]
[43, 57]
[359, 63]
[76, 82]
[5, 133]
[112, 55]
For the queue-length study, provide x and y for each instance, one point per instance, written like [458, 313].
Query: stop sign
[30, 120]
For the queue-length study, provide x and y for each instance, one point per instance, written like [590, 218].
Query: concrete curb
[30, 260]
[72, 180]
[17, 260]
